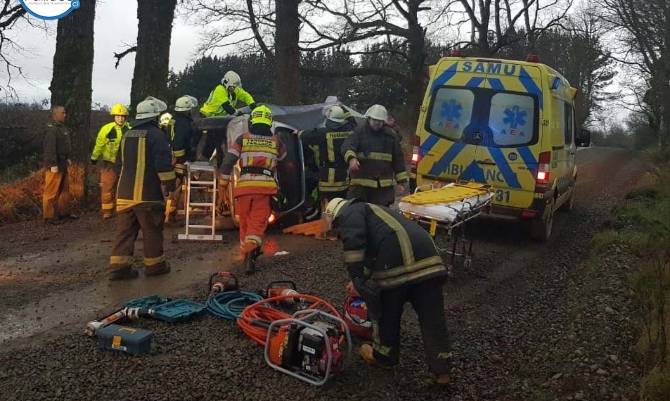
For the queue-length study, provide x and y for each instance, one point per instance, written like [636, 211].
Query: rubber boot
[124, 273]
[250, 260]
[155, 270]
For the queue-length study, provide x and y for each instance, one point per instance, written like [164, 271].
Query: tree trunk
[72, 74]
[152, 58]
[665, 79]
[416, 51]
[71, 87]
[287, 53]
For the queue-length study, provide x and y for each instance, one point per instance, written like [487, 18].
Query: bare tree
[11, 12]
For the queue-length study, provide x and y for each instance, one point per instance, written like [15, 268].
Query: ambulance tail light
[416, 157]
[542, 179]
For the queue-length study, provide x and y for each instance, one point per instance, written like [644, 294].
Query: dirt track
[529, 322]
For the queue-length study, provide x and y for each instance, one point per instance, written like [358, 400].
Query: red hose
[255, 319]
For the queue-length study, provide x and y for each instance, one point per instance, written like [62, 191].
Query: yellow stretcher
[449, 207]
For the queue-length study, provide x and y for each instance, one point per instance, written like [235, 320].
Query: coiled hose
[230, 304]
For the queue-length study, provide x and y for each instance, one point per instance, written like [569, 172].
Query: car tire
[541, 229]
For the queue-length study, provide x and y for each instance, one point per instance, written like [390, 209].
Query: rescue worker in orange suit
[146, 170]
[375, 159]
[391, 261]
[182, 132]
[107, 146]
[57, 150]
[258, 152]
[333, 175]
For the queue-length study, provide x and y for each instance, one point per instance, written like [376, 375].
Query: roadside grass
[641, 227]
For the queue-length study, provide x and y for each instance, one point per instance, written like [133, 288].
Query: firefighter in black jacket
[333, 175]
[375, 159]
[184, 132]
[392, 260]
[145, 165]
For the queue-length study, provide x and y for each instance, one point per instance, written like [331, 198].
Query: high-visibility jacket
[388, 248]
[258, 152]
[183, 132]
[333, 175]
[144, 162]
[108, 140]
[382, 162]
[57, 145]
[221, 102]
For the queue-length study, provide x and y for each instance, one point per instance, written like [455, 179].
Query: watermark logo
[49, 9]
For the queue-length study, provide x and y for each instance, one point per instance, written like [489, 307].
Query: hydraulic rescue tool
[226, 301]
[278, 288]
[222, 281]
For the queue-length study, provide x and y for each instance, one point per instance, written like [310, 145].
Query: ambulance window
[569, 123]
[511, 119]
[451, 112]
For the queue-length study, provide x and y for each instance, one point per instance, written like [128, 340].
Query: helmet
[356, 317]
[377, 112]
[261, 115]
[194, 100]
[119, 110]
[231, 79]
[185, 103]
[165, 119]
[150, 107]
[334, 207]
[335, 113]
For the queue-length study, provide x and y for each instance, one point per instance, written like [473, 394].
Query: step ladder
[196, 183]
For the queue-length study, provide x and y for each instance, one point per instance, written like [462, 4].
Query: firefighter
[57, 151]
[391, 261]
[223, 99]
[258, 152]
[146, 168]
[333, 176]
[106, 146]
[375, 160]
[182, 132]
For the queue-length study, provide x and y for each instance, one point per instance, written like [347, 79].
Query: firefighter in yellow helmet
[106, 147]
[258, 151]
[224, 98]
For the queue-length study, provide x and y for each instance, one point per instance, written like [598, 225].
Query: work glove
[54, 169]
[94, 161]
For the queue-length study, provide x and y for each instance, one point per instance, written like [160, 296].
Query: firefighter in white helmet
[106, 147]
[375, 159]
[223, 100]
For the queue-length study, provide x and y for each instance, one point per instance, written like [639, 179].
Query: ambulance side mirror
[583, 139]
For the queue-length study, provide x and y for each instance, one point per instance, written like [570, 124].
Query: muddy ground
[528, 322]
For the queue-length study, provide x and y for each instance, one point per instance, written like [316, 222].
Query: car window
[511, 119]
[569, 123]
[451, 112]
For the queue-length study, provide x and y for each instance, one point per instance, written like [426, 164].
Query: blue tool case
[127, 339]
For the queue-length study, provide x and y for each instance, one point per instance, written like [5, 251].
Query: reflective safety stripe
[354, 256]
[400, 280]
[403, 238]
[167, 175]
[331, 175]
[349, 154]
[225, 177]
[120, 260]
[107, 206]
[256, 183]
[402, 176]
[366, 182]
[400, 270]
[333, 186]
[255, 238]
[123, 204]
[386, 157]
[234, 152]
[139, 169]
[180, 168]
[179, 153]
[154, 261]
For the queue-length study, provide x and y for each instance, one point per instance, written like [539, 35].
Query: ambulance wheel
[570, 204]
[540, 229]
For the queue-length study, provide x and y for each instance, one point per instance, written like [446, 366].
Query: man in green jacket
[57, 150]
[223, 99]
[107, 146]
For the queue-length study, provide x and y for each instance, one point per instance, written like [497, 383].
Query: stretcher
[449, 207]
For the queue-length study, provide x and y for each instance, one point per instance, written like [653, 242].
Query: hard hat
[356, 317]
[231, 79]
[377, 112]
[335, 113]
[185, 103]
[194, 100]
[333, 208]
[150, 107]
[119, 110]
[261, 115]
[165, 119]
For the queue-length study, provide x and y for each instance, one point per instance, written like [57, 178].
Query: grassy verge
[641, 227]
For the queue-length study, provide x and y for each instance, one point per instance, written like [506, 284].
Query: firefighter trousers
[379, 196]
[149, 219]
[253, 211]
[108, 178]
[427, 300]
[56, 195]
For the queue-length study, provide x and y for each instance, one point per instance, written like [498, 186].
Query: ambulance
[509, 124]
